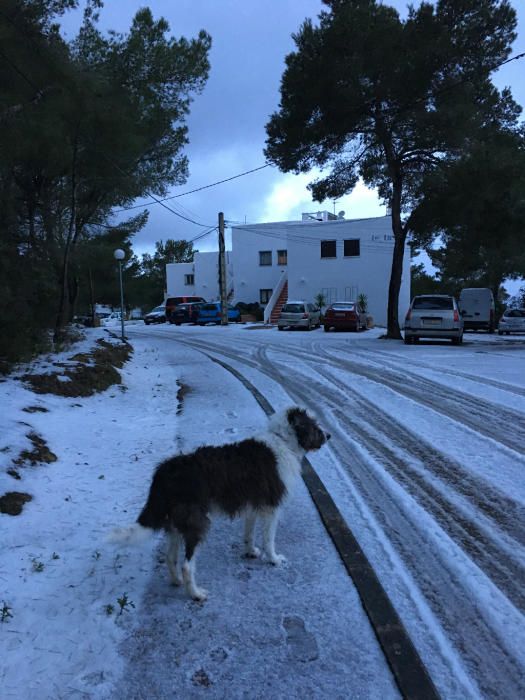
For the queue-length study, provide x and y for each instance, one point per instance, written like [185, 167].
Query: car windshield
[343, 307]
[433, 303]
[515, 313]
[158, 309]
[293, 308]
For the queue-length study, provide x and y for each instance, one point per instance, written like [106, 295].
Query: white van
[477, 309]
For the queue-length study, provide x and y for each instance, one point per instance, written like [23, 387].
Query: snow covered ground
[425, 463]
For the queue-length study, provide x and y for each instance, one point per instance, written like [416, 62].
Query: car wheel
[147, 323]
[500, 332]
[407, 340]
[280, 328]
[326, 329]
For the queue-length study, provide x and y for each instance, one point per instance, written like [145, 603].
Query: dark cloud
[226, 124]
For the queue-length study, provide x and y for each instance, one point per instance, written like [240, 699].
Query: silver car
[433, 316]
[512, 321]
[299, 314]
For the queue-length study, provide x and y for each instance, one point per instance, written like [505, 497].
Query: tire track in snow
[475, 413]
[481, 647]
[398, 362]
[442, 586]
[471, 527]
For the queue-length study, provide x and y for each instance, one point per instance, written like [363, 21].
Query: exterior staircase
[281, 301]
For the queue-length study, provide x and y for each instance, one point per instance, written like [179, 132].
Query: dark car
[173, 302]
[211, 313]
[186, 313]
[156, 315]
[344, 316]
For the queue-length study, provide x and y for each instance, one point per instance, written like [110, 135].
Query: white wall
[309, 274]
[175, 279]
[205, 273]
[249, 276]
[344, 278]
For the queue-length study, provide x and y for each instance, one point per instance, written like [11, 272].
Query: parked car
[156, 315]
[186, 313]
[344, 316]
[512, 321]
[433, 316]
[113, 319]
[299, 314]
[173, 302]
[211, 313]
[476, 305]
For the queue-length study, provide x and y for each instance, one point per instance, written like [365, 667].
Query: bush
[253, 308]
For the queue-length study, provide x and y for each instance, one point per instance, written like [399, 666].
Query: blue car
[211, 313]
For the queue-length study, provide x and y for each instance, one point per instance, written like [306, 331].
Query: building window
[352, 248]
[351, 293]
[264, 295]
[282, 257]
[189, 279]
[330, 294]
[328, 249]
[265, 257]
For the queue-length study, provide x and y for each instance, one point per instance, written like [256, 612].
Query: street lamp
[120, 255]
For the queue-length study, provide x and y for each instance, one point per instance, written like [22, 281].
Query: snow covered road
[426, 465]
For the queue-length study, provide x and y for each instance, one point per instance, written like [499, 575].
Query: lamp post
[120, 255]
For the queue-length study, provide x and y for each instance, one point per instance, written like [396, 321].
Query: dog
[251, 478]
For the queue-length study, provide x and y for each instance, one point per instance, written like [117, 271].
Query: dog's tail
[154, 515]
[132, 535]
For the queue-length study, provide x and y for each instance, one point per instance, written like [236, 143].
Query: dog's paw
[252, 553]
[176, 581]
[199, 595]
[277, 559]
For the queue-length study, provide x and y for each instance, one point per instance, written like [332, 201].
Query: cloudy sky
[227, 121]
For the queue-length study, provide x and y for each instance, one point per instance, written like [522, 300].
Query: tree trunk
[64, 276]
[400, 234]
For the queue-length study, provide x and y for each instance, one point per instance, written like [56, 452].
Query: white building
[198, 278]
[297, 260]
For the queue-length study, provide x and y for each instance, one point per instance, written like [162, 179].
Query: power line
[158, 201]
[198, 189]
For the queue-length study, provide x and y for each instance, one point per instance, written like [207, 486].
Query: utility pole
[222, 272]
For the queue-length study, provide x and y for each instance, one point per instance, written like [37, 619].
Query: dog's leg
[270, 518]
[195, 529]
[188, 574]
[250, 550]
[172, 556]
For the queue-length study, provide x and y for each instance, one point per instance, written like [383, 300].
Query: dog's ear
[309, 435]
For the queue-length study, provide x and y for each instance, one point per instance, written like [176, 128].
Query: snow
[425, 465]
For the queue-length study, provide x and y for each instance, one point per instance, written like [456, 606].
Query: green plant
[362, 303]
[125, 603]
[37, 565]
[5, 613]
[320, 300]
[109, 609]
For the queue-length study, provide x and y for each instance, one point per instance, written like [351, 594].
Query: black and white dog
[249, 478]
